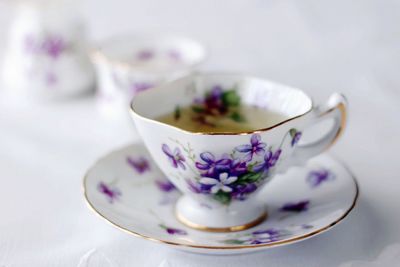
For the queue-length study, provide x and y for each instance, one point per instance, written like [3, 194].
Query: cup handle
[336, 109]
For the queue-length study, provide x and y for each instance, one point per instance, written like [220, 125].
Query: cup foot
[235, 217]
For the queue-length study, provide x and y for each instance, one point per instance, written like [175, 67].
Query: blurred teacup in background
[46, 56]
[128, 65]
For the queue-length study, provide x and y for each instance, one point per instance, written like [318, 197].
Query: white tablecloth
[320, 46]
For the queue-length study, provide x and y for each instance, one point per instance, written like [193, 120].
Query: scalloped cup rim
[244, 76]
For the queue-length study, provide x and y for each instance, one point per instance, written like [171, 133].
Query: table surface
[319, 46]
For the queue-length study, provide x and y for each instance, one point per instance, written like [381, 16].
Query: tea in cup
[219, 138]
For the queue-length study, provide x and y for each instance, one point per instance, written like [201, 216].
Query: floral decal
[270, 159]
[112, 193]
[296, 206]
[237, 175]
[165, 185]
[141, 164]
[148, 54]
[231, 176]
[175, 157]
[221, 183]
[138, 87]
[256, 147]
[216, 104]
[50, 46]
[173, 231]
[306, 226]
[145, 55]
[209, 163]
[317, 177]
[167, 190]
[174, 55]
[296, 135]
[259, 237]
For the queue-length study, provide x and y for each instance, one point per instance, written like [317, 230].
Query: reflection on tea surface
[221, 111]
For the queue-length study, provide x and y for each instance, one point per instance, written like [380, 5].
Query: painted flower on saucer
[258, 237]
[317, 177]
[110, 192]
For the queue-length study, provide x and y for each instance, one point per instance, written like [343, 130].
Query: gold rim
[134, 113]
[272, 244]
[230, 229]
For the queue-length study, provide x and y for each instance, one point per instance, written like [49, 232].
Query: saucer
[127, 189]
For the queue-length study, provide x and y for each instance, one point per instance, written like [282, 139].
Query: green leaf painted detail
[177, 113]
[231, 98]
[223, 197]
[236, 116]
[292, 132]
[250, 177]
[198, 109]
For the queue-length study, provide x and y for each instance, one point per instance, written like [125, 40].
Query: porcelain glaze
[46, 53]
[220, 173]
[140, 200]
[129, 65]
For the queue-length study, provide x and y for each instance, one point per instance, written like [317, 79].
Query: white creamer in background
[46, 54]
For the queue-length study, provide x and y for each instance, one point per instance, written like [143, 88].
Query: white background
[320, 46]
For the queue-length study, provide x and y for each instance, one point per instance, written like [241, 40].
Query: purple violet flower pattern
[228, 176]
[209, 163]
[175, 157]
[141, 164]
[51, 46]
[217, 103]
[165, 185]
[231, 176]
[242, 190]
[296, 206]
[173, 231]
[317, 177]
[193, 187]
[138, 87]
[296, 135]
[111, 193]
[221, 183]
[260, 237]
[144, 55]
[270, 159]
[175, 55]
[256, 147]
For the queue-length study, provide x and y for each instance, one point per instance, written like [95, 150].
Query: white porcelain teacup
[128, 65]
[220, 174]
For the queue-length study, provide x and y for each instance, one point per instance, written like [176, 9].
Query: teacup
[218, 173]
[128, 65]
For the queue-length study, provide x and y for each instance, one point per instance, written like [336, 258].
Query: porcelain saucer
[128, 190]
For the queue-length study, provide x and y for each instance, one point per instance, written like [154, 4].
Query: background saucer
[127, 189]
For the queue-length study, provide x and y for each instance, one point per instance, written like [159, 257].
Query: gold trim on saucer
[235, 228]
[227, 247]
